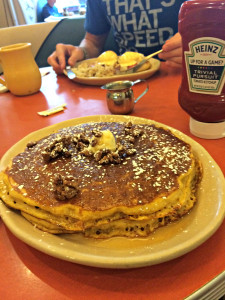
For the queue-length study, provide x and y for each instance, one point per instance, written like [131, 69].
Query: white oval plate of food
[95, 80]
[166, 243]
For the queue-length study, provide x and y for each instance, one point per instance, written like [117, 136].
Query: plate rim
[105, 261]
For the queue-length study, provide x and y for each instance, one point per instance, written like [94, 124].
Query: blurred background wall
[17, 12]
[20, 12]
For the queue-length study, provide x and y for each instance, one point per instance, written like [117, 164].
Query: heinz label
[205, 65]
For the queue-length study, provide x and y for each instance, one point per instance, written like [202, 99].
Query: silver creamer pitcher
[120, 96]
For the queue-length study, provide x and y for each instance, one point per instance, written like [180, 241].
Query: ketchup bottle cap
[207, 130]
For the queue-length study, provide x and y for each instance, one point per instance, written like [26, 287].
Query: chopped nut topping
[131, 151]
[104, 160]
[98, 155]
[84, 145]
[130, 139]
[86, 152]
[94, 142]
[129, 124]
[65, 188]
[59, 147]
[121, 150]
[137, 132]
[82, 138]
[80, 146]
[31, 144]
[97, 133]
[128, 130]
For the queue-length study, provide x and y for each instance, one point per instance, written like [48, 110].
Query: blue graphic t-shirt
[138, 25]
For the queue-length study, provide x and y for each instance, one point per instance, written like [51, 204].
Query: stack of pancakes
[103, 179]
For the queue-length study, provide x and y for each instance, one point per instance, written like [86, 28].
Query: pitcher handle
[145, 91]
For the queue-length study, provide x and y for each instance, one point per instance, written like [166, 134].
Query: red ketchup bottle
[202, 90]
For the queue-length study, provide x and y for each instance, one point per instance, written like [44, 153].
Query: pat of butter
[106, 141]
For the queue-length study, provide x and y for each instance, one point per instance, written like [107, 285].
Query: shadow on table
[72, 279]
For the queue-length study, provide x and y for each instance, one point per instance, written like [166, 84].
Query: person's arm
[172, 51]
[93, 44]
[90, 46]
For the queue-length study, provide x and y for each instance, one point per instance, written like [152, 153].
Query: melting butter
[106, 141]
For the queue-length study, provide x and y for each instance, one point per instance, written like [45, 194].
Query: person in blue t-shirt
[138, 25]
[50, 10]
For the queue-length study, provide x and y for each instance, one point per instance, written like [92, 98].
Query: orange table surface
[26, 273]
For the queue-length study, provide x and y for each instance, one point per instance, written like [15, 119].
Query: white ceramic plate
[165, 244]
[3, 89]
[155, 64]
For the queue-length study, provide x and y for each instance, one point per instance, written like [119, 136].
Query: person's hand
[63, 55]
[172, 51]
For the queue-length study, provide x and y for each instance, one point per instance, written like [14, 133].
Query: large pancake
[148, 180]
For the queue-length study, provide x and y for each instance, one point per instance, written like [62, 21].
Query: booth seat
[67, 31]
[44, 36]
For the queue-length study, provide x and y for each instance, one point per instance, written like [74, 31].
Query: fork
[135, 68]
